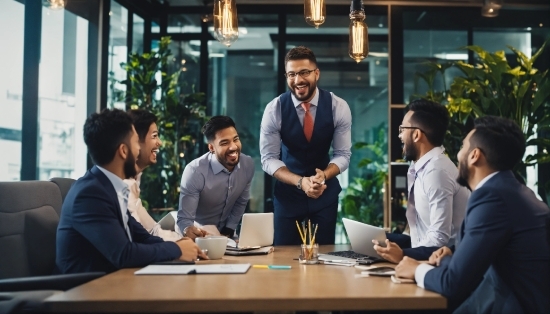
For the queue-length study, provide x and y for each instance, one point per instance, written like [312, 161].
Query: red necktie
[308, 121]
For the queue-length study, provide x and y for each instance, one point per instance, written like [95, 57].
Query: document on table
[193, 269]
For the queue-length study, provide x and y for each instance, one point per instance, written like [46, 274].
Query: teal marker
[272, 266]
[279, 267]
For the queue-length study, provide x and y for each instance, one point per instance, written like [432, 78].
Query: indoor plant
[180, 117]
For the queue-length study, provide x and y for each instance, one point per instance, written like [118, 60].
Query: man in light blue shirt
[297, 131]
[437, 203]
[215, 187]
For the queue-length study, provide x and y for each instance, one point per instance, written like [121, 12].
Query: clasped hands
[315, 185]
[407, 266]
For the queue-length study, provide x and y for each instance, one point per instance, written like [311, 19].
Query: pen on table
[272, 266]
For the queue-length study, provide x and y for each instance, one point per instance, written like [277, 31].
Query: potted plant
[494, 87]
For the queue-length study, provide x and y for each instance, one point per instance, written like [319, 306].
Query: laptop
[360, 237]
[257, 231]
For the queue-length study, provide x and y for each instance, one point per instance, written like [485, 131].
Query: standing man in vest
[297, 131]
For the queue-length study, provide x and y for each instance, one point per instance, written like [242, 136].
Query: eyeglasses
[303, 73]
[402, 128]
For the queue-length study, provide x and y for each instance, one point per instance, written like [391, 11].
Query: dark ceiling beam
[146, 9]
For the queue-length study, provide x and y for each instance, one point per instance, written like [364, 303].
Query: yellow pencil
[309, 229]
[300, 231]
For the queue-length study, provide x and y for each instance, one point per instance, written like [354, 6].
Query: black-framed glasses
[402, 128]
[303, 73]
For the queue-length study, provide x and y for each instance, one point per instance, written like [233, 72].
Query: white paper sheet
[193, 269]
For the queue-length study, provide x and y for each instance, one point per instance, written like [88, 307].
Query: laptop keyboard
[350, 254]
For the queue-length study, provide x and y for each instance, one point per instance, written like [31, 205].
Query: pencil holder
[309, 254]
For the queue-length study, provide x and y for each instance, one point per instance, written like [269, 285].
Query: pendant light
[315, 12]
[54, 4]
[226, 27]
[358, 32]
[490, 8]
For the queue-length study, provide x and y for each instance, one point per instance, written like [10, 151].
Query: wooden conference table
[304, 287]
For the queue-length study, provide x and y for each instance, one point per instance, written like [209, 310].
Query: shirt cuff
[420, 273]
[341, 162]
[272, 165]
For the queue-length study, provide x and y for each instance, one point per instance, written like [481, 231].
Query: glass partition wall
[239, 81]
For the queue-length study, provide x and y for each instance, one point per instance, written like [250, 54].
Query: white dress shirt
[270, 132]
[437, 205]
[423, 269]
[122, 192]
[136, 209]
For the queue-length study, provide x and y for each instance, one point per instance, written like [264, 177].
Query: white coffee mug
[214, 244]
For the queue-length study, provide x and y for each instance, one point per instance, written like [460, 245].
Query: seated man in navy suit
[502, 262]
[96, 231]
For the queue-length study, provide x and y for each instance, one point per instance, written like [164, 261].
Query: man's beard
[463, 174]
[311, 90]
[130, 166]
[411, 152]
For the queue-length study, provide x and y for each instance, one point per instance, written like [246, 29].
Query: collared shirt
[439, 204]
[270, 132]
[211, 195]
[122, 192]
[423, 269]
[136, 209]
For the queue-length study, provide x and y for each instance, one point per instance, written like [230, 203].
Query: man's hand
[314, 186]
[193, 232]
[437, 256]
[406, 268]
[392, 252]
[189, 250]
[319, 178]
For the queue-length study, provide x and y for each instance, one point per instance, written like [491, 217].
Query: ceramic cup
[214, 244]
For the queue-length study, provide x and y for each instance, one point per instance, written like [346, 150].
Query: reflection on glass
[62, 95]
[137, 34]
[184, 23]
[54, 4]
[11, 87]
[118, 53]
[420, 46]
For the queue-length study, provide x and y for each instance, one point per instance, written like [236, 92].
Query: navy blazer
[502, 243]
[91, 235]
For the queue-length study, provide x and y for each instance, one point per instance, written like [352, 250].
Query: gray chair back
[64, 185]
[29, 215]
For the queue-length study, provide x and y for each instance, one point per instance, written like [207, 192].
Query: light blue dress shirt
[270, 132]
[439, 201]
[122, 192]
[211, 195]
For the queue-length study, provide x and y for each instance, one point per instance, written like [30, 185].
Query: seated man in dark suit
[502, 262]
[96, 231]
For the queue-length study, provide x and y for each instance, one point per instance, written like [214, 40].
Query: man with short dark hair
[149, 143]
[437, 203]
[297, 131]
[96, 231]
[502, 259]
[215, 187]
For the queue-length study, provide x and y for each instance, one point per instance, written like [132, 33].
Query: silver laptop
[360, 237]
[256, 230]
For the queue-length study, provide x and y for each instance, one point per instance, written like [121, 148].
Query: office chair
[29, 215]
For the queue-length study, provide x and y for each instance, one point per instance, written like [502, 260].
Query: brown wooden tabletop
[304, 287]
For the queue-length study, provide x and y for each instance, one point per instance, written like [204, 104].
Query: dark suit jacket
[502, 243]
[91, 235]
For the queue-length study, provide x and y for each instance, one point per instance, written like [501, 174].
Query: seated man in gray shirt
[216, 186]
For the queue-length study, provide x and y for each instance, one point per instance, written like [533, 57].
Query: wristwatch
[299, 184]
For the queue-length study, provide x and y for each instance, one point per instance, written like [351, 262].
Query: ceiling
[521, 3]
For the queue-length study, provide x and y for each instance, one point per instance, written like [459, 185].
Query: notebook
[360, 237]
[256, 233]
